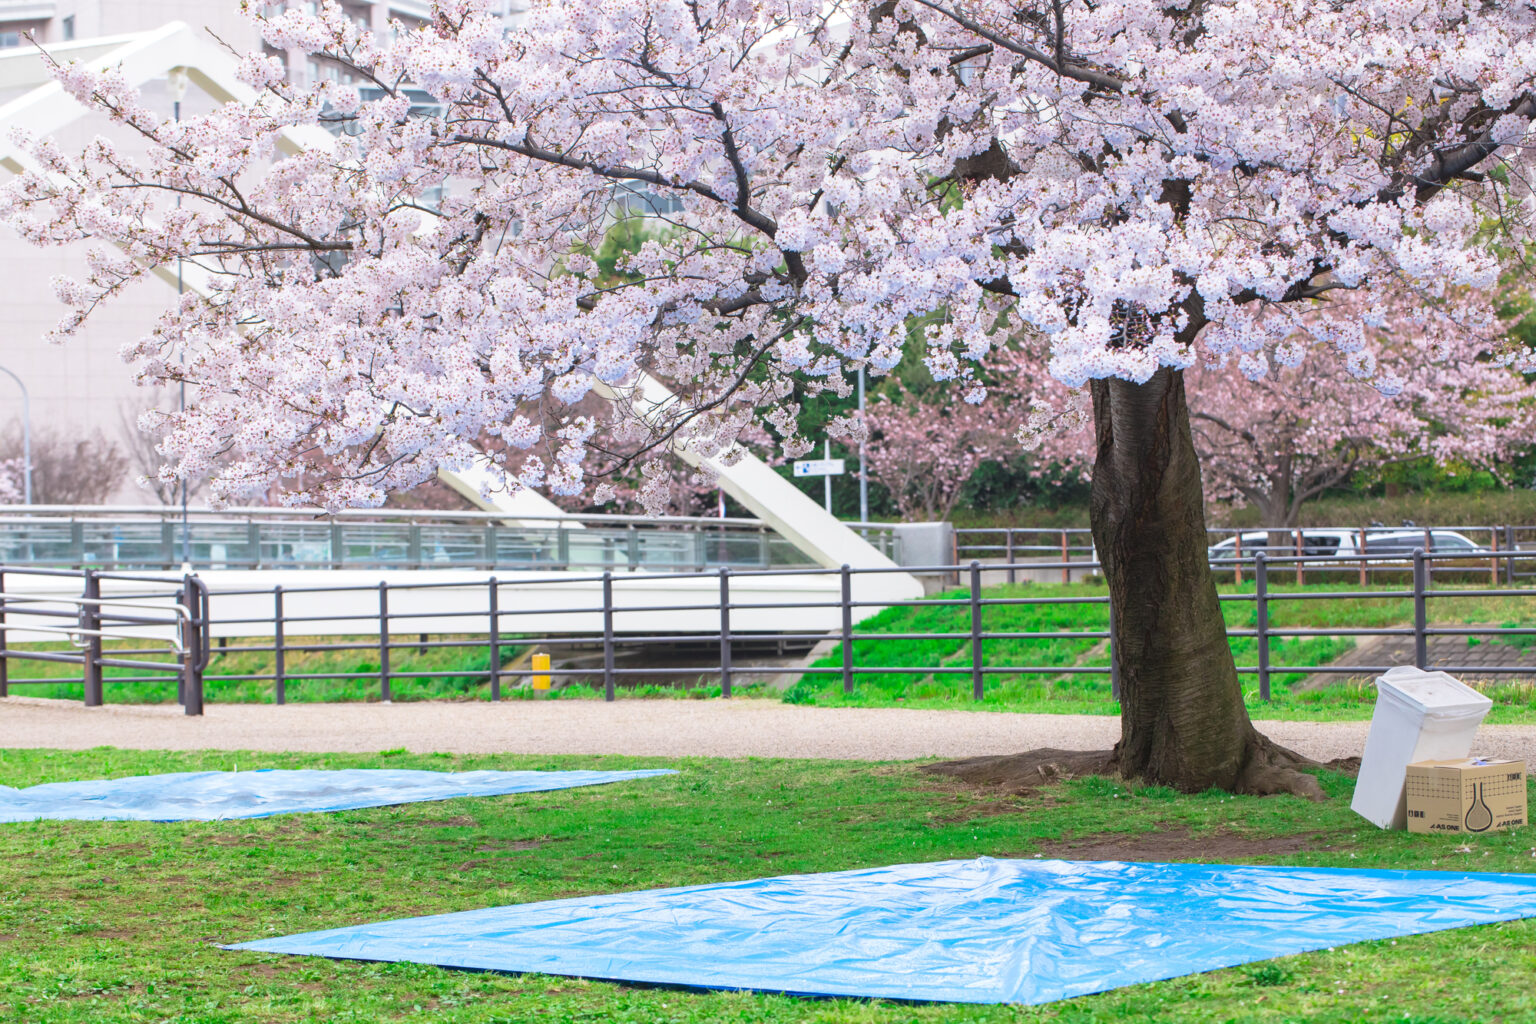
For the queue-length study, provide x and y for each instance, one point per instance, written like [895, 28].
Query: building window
[8, 39]
[68, 24]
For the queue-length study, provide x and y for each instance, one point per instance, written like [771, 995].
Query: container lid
[1429, 691]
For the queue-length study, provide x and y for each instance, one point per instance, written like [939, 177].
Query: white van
[1337, 543]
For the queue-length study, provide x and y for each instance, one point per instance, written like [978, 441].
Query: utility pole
[863, 470]
[26, 437]
[177, 80]
[826, 481]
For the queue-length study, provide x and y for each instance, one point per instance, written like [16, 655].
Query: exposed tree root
[1023, 773]
[1270, 769]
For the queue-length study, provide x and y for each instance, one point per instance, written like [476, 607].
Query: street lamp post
[26, 436]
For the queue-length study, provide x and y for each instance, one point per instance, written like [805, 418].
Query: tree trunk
[1183, 723]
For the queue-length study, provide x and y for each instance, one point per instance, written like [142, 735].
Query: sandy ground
[737, 728]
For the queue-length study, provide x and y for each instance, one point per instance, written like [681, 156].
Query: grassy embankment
[108, 922]
[466, 669]
[1090, 693]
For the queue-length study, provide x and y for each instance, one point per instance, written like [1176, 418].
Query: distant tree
[68, 468]
[924, 449]
[146, 463]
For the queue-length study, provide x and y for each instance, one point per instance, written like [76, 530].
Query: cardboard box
[1469, 795]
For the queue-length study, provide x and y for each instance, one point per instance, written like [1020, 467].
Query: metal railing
[404, 615]
[264, 538]
[174, 612]
[1070, 551]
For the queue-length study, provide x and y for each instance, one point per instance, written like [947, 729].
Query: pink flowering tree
[1304, 423]
[1300, 429]
[1131, 182]
[923, 449]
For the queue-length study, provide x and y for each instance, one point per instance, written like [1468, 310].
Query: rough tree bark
[1183, 723]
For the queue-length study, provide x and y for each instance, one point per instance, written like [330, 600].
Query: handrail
[104, 512]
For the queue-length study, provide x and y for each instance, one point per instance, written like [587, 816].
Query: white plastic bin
[1419, 716]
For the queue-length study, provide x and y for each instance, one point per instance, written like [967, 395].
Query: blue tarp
[215, 796]
[980, 931]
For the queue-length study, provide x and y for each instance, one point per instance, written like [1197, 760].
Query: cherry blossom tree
[1281, 438]
[923, 449]
[1141, 185]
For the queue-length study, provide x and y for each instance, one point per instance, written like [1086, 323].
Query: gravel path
[660, 728]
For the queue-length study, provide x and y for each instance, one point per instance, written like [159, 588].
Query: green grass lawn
[1090, 693]
[118, 921]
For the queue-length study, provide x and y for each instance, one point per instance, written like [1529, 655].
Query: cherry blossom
[1116, 179]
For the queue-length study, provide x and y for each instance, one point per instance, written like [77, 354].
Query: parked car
[1337, 543]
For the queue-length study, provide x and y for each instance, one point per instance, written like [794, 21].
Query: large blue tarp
[980, 931]
[215, 796]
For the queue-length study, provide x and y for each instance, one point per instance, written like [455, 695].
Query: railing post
[1114, 657]
[847, 609]
[1493, 563]
[5, 663]
[632, 547]
[167, 543]
[193, 633]
[1008, 541]
[280, 652]
[1363, 575]
[413, 546]
[608, 693]
[1420, 611]
[490, 543]
[384, 693]
[338, 545]
[494, 638]
[90, 619]
[1509, 563]
[1066, 573]
[1301, 572]
[725, 631]
[1237, 556]
[1261, 620]
[977, 685]
[253, 541]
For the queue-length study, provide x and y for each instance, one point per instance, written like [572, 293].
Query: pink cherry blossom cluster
[1117, 180]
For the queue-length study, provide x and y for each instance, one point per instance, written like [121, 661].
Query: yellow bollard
[540, 664]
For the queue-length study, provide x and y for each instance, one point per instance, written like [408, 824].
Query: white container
[1419, 716]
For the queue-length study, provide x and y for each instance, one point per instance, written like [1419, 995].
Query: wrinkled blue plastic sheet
[980, 931]
[215, 796]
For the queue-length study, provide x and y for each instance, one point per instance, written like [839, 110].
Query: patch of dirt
[270, 972]
[513, 845]
[121, 848]
[1344, 766]
[1223, 847]
[460, 821]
